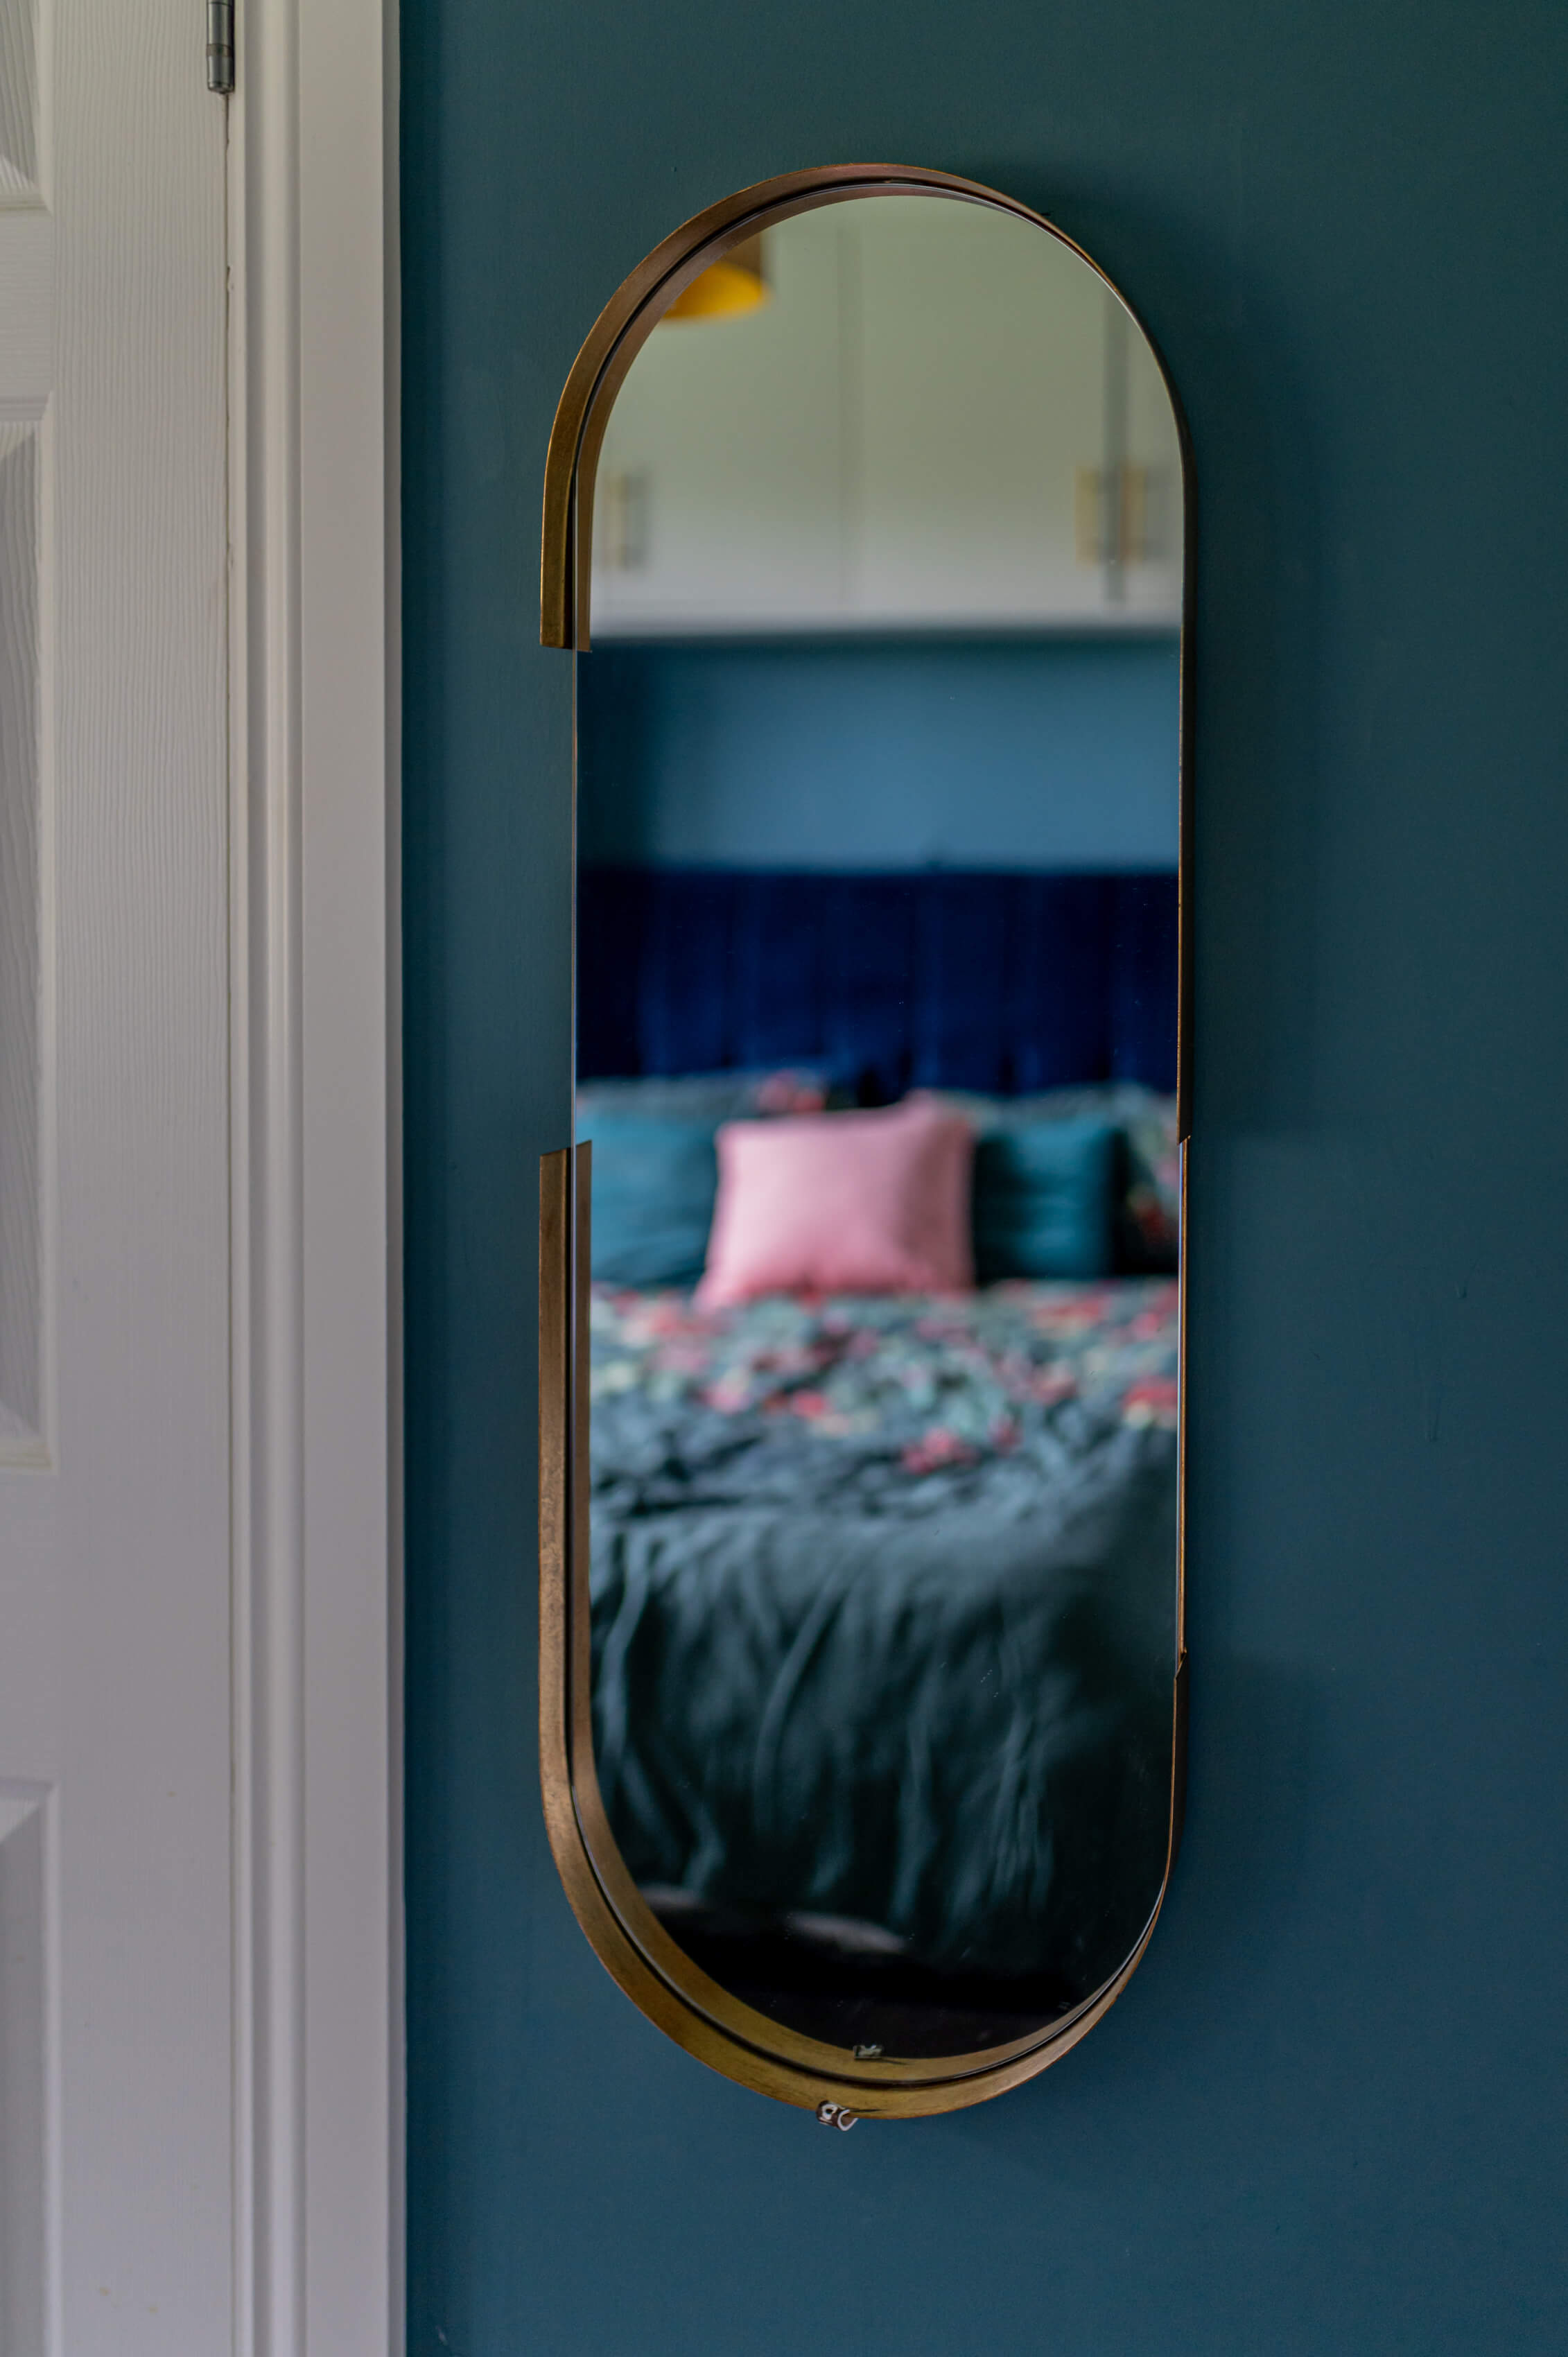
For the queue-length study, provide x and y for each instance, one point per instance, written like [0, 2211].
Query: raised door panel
[116, 1985]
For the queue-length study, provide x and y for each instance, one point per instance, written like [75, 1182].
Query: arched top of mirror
[840, 299]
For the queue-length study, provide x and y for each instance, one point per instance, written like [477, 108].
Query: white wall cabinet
[939, 419]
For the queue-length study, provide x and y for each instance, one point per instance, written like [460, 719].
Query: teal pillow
[1043, 1200]
[655, 1178]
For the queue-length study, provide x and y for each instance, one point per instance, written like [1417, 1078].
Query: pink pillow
[842, 1202]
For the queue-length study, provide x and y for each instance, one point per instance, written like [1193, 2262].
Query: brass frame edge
[637, 1952]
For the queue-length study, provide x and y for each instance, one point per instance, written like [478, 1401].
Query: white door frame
[317, 1178]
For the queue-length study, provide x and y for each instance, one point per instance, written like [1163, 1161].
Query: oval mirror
[861, 1281]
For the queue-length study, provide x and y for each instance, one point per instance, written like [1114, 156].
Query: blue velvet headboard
[1003, 983]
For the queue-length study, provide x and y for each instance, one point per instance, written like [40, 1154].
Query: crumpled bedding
[883, 1596]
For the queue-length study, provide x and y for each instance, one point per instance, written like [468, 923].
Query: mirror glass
[877, 1013]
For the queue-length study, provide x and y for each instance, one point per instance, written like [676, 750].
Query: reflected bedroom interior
[878, 796]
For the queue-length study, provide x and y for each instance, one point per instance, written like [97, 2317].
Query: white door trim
[317, 1241]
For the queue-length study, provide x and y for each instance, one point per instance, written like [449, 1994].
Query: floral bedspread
[926, 1382]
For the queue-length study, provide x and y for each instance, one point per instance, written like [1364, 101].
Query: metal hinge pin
[220, 45]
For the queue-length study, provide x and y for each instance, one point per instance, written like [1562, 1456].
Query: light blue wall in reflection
[887, 753]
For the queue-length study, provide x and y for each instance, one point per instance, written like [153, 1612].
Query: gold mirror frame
[623, 1931]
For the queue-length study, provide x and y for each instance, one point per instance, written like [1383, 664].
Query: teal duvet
[884, 1599]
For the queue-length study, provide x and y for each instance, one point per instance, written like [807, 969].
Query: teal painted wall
[1059, 752]
[1328, 2117]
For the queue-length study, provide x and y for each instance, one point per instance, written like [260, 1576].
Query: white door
[117, 2041]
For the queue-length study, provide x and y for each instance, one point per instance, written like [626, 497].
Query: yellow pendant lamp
[739, 282]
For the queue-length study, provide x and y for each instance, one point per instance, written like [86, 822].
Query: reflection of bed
[883, 1588]
[884, 1598]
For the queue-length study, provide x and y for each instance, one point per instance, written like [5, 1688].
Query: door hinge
[220, 45]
